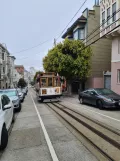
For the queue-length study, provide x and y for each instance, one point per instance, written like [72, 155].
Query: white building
[26, 76]
[110, 20]
[16, 77]
[6, 67]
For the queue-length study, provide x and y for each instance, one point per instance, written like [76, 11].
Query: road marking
[50, 146]
[95, 112]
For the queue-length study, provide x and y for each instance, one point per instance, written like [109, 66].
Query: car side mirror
[6, 107]
[19, 94]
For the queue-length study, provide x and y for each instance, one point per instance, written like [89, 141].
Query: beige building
[84, 29]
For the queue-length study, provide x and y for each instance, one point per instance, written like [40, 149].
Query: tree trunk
[69, 88]
[83, 86]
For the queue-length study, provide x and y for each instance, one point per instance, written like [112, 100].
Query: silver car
[14, 97]
[20, 94]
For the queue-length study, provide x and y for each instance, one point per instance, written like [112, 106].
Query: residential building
[81, 29]
[20, 69]
[110, 20]
[16, 77]
[6, 67]
[26, 76]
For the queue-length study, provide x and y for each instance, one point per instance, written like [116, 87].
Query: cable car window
[43, 82]
[49, 82]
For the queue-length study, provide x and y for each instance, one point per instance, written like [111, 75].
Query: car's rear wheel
[13, 119]
[99, 104]
[19, 108]
[4, 138]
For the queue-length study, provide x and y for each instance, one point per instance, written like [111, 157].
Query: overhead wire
[54, 37]
[72, 19]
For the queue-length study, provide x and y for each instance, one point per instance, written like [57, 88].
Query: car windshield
[104, 91]
[9, 93]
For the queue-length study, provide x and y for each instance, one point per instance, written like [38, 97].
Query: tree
[22, 83]
[70, 59]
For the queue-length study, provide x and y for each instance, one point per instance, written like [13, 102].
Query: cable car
[48, 86]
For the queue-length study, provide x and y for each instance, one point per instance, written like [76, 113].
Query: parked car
[21, 95]
[24, 91]
[13, 95]
[6, 119]
[100, 97]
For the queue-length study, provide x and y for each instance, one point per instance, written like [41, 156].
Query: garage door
[107, 81]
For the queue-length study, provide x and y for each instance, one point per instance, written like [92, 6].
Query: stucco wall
[116, 49]
[101, 59]
[114, 85]
[95, 82]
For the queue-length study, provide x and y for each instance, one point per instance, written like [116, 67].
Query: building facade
[16, 77]
[20, 69]
[110, 20]
[6, 67]
[81, 29]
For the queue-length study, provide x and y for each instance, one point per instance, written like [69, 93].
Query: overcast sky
[26, 23]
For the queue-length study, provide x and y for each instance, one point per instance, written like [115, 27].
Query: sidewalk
[26, 141]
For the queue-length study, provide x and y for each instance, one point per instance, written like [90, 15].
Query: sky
[27, 23]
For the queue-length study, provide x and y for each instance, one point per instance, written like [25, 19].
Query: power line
[72, 19]
[101, 36]
[32, 47]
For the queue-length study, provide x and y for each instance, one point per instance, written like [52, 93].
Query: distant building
[16, 77]
[26, 76]
[20, 69]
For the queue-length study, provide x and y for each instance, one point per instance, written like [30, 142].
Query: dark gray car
[100, 97]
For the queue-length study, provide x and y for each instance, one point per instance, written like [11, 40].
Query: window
[75, 35]
[3, 69]
[7, 100]
[103, 19]
[4, 102]
[44, 82]
[118, 76]
[108, 16]
[2, 56]
[49, 82]
[114, 12]
[81, 34]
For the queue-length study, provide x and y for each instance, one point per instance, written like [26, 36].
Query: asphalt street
[29, 142]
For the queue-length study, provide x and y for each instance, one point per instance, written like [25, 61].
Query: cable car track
[103, 138]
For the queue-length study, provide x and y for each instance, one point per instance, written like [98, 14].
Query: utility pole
[54, 42]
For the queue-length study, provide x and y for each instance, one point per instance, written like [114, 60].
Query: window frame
[118, 76]
[114, 12]
[103, 19]
[3, 55]
[3, 70]
[76, 32]
[79, 34]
